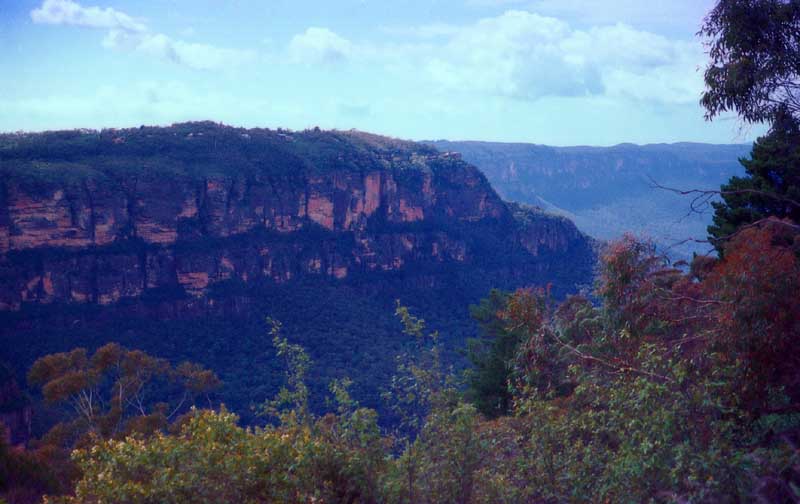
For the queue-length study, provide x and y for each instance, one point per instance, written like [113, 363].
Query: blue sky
[560, 72]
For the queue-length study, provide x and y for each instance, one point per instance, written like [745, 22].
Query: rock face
[608, 191]
[178, 241]
[100, 217]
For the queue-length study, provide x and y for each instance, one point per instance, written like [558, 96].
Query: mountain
[181, 240]
[607, 191]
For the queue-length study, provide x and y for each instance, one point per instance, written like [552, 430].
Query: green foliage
[492, 357]
[645, 398]
[771, 187]
[291, 403]
[632, 438]
[210, 460]
[338, 457]
[421, 384]
[191, 150]
[116, 390]
[754, 48]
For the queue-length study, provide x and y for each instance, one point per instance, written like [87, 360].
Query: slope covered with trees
[179, 240]
[678, 386]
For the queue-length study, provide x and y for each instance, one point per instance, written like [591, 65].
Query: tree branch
[707, 194]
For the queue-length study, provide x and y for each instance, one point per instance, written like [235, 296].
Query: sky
[557, 72]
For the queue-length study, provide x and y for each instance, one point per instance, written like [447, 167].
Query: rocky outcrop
[90, 228]
[540, 232]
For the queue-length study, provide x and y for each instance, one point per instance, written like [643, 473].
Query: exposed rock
[108, 233]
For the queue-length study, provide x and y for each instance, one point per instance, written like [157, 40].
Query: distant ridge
[609, 190]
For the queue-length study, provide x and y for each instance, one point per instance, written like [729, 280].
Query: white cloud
[191, 54]
[680, 15]
[319, 45]
[528, 56]
[132, 104]
[67, 12]
[125, 33]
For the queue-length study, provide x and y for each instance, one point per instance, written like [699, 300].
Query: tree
[771, 187]
[211, 460]
[492, 357]
[339, 457]
[757, 312]
[116, 390]
[678, 381]
[754, 67]
[290, 405]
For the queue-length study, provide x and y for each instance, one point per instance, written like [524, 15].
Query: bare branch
[622, 368]
[706, 194]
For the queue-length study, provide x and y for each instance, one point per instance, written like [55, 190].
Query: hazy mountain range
[607, 191]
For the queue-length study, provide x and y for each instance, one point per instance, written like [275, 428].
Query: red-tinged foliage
[636, 286]
[758, 315]
[624, 265]
[743, 308]
[527, 308]
[27, 474]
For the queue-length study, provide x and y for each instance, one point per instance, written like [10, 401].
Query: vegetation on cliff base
[677, 387]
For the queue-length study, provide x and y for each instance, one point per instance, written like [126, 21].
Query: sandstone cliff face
[542, 233]
[104, 233]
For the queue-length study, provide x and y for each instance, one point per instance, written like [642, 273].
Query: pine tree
[770, 188]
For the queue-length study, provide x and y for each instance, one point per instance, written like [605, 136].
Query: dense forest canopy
[195, 149]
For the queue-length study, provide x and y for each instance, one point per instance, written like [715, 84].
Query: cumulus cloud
[529, 56]
[126, 33]
[526, 55]
[678, 14]
[67, 12]
[320, 45]
[191, 54]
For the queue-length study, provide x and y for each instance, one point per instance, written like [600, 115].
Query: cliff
[179, 240]
[96, 217]
[608, 191]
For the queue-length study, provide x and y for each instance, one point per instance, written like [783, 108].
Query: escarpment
[98, 217]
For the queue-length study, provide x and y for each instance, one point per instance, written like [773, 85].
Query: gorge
[180, 240]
